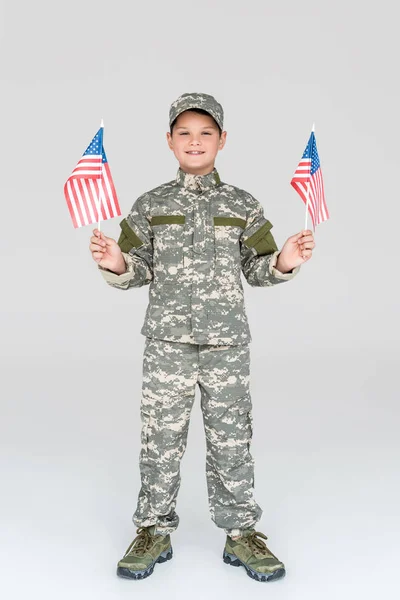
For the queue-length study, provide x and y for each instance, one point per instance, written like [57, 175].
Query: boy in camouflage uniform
[190, 239]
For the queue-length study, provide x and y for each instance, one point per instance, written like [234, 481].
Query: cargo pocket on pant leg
[144, 459]
[245, 423]
[145, 431]
[250, 434]
[244, 433]
[250, 427]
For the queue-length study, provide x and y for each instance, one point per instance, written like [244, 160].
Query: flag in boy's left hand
[90, 191]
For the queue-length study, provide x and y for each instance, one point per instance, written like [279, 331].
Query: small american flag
[308, 177]
[89, 190]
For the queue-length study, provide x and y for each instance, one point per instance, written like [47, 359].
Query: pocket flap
[232, 221]
[166, 219]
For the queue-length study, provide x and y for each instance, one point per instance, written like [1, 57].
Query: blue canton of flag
[96, 144]
[311, 152]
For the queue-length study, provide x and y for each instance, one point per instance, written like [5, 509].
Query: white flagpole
[308, 189]
[100, 188]
[308, 192]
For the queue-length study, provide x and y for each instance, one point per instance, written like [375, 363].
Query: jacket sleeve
[258, 249]
[136, 243]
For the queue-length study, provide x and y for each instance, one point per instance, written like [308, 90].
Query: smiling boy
[190, 239]
[196, 141]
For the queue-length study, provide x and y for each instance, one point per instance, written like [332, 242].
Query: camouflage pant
[170, 373]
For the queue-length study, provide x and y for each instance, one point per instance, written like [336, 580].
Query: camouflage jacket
[190, 239]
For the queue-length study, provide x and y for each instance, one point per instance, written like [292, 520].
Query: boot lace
[257, 544]
[142, 542]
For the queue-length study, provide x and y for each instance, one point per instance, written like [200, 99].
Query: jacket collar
[198, 183]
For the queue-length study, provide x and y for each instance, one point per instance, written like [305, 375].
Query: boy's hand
[296, 250]
[106, 252]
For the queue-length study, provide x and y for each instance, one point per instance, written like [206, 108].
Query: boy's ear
[169, 139]
[222, 140]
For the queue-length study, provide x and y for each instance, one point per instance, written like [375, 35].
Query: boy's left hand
[296, 250]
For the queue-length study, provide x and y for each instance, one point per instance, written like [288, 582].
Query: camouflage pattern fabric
[171, 371]
[190, 239]
[196, 100]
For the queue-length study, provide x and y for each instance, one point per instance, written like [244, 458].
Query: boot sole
[234, 561]
[130, 574]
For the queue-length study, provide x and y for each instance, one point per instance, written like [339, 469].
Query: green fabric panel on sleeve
[266, 245]
[164, 219]
[262, 240]
[232, 221]
[128, 238]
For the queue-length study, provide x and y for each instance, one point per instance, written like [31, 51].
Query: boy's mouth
[194, 152]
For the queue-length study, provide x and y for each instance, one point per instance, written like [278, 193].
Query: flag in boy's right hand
[89, 191]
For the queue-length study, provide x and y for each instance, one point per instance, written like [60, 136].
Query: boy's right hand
[106, 252]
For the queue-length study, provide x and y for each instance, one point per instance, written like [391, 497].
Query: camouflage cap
[203, 101]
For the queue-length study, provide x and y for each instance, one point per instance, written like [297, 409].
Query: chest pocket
[168, 232]
[227, 231]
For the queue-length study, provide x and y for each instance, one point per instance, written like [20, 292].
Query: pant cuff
[238, 532]
[233, 532]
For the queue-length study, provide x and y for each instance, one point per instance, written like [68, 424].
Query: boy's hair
[201, 112]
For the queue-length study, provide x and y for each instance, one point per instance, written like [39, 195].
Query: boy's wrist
[281, 266]
[120, 269]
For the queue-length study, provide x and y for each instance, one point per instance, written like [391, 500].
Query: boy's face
[195, 141]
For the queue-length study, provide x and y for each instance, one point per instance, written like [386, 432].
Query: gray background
[324, 355]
